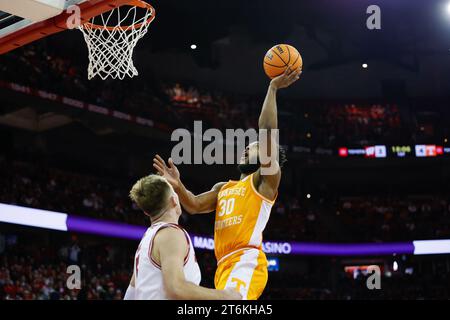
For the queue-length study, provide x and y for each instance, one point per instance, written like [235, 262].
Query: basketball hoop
[112, 36]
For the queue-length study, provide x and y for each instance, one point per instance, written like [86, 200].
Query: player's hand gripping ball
[279, 57]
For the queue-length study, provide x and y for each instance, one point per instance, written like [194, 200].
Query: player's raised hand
[286, 79]
[170, 171]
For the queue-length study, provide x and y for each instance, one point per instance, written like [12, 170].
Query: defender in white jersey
[165, 266]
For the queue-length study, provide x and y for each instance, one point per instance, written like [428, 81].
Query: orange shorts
[246, 271]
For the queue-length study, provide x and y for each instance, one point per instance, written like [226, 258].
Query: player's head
[155, 196]
[249, 161]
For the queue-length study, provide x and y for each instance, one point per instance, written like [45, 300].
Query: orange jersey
[241, 216]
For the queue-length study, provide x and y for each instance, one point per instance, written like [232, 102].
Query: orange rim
[136, 3]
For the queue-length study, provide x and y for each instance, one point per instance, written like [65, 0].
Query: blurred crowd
[40, 68]
[340, 219]
[29, 272]
[175, 105]
[361, 218]
[310, 123]
[51, 189]
[402, 287]
[38, 270]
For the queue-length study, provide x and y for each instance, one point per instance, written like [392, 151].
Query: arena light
[273, 264]
[431, 246]
[365, 65]
[64, 222]
[395, 266]
[447, 8]
[105, 228]
[193, 46]
[409, 270]
[33, 217]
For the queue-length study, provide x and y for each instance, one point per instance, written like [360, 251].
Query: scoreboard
[423, 150]
[402, 151]
[395, 151]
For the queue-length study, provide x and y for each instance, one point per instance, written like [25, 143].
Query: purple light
[351, 249]
[105, 228]
[62, 221]
[127, 231]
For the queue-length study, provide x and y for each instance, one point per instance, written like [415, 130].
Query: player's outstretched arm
[193, 204]
[267, 181]
[170, 249]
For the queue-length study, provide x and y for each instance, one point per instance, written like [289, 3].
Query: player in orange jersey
[242, 208]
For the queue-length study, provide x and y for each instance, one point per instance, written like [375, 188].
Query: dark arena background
[366, 129]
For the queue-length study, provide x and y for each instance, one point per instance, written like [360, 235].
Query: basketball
[279, 57]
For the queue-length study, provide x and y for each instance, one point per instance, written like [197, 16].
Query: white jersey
[148, 275]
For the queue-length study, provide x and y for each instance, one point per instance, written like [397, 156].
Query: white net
[111, 38]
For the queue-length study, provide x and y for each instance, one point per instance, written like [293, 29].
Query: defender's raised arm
[193, 204]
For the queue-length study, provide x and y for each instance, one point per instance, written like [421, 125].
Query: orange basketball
[279, 57]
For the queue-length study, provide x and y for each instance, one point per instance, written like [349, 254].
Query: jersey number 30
[226, 207]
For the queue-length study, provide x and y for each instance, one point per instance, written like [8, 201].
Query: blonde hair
[151, 194]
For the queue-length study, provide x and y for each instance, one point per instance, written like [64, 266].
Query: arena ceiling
[410, 54]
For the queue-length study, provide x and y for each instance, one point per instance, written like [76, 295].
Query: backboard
[20, 21]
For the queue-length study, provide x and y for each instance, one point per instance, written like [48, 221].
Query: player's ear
[174, 200]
